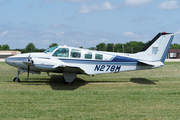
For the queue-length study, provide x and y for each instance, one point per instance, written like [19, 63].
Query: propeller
[30, 61]
[28, 72]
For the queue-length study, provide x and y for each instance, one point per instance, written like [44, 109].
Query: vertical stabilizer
[157, 49]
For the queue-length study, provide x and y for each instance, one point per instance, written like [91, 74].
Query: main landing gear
[64, 81]
[68, 78]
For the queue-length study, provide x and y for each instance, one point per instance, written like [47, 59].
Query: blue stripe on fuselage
[123, 59]
[119, 60]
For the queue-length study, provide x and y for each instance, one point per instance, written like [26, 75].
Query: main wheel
[14, 80]
[64, 82]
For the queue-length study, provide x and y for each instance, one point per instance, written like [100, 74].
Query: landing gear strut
[16, 79]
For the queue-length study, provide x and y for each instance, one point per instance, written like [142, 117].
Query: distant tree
[22, 50]
[4, 47]
[40, 50]
[92, 48]
[53, 44]
[175, 46]
[81, 47]
[118, 47]
[30, 47]
[101, 47]
[137, 46]
[110, 47]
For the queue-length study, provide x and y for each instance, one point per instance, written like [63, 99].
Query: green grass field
[148, 95]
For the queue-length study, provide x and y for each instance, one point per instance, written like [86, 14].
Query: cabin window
[75, 53]
[88, 55]
[50, 50]
[98, 56]
[61, 52]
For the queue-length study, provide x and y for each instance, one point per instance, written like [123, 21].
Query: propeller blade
[28, 72]
[29, 58]
[29, 63]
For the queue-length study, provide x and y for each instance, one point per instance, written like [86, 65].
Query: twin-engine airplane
[72, 61]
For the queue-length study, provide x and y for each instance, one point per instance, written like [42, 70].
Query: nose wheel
[16, 79]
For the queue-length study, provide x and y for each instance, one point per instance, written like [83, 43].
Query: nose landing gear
[16, 79]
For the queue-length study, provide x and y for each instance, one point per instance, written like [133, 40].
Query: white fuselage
[88, 62]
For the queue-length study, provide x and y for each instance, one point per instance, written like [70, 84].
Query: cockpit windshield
[50, 50]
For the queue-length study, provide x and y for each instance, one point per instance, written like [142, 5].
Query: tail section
[157, 49]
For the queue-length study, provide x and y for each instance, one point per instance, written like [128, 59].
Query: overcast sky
[85, 22]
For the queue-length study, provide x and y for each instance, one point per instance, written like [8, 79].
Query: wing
[71, 69]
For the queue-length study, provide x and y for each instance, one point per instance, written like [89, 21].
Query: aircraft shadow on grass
[56, 82]
[143, 81]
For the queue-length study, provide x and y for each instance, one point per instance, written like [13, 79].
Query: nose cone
[9, 60]
[16, 60]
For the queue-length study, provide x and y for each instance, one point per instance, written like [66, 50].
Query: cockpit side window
[50, 50]
[61, 52]
[75, 53]
[88, 55]
[98, 56]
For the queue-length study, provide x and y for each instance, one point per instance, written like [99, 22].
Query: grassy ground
[148, 94]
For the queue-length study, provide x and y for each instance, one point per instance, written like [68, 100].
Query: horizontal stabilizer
[155, 64]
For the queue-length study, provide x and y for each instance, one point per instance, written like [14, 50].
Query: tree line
[4, 47]
[29, 48]
[129, 47]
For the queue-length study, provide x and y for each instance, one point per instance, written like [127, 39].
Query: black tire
[64, 82]
[15, 79]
